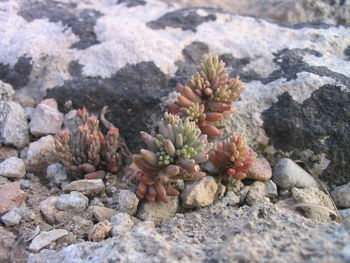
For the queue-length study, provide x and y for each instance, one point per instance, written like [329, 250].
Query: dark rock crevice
[321, 123]
[18, 75]
[133, 95]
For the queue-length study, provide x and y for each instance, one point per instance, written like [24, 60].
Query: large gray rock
[287, 174]
[214, 234]
[13, 124]
[13, 167]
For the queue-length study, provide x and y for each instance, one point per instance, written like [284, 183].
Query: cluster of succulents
[208, 96]
[233, 157]
[174, 153]
[93, 153]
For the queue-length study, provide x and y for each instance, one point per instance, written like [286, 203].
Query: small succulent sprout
[233, 157]
[173, 153]
[93, 153]
[208, 96]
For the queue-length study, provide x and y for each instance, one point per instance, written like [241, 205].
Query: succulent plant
[233, 157]
[173, 153]
[208, 96]
[93, 153]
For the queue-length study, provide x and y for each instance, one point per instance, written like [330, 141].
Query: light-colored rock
[341, 196]
[87, 187]
[120, 223]
[271, 189]
[200, 193]
[6, 91]
[287, 174]
[103, 213]
[74, 201]
[6, 242]
[46, 118]
[50, 213]
[56, 174]
[41, 154]
[100, 231]
[13, 124]
[127, 202]
[7, 152]
[45, 238]
[11, 218]
[345, 252]
[13, 167]
[261, 170]
[262, 232]
[314, 196]
[11, 196]
[257, 193]
[158, 211]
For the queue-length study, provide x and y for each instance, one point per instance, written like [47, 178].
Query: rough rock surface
[248, 234]
[158, 211]
[13, 124]
[11, 218]
[314, 196]
[13, 167]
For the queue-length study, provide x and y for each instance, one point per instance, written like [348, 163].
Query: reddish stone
[11, 196]
[95, 175]
[261, 170]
